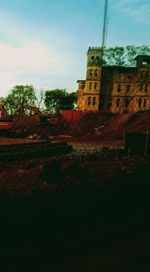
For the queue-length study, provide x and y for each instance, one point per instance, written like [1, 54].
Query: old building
[114, 88]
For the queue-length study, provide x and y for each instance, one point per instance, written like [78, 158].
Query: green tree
[124, 56]
[58, 100]
[3, 110]
[19, 99]
[40, 100]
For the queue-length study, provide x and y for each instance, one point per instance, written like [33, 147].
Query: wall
[73, 116]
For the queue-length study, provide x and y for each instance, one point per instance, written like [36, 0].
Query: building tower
[93, 78]
[89, 89]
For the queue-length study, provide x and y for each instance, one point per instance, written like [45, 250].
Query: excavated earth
[83, 211]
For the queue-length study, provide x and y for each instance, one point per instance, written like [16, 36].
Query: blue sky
[44, 42]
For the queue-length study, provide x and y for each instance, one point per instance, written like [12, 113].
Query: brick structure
[114, 88]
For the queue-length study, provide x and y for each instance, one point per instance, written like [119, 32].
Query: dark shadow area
[79, 226]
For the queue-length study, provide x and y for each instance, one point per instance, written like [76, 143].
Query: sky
[44, 42]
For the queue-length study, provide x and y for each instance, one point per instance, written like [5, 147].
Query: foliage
[19, 98]
[58, 100]
[23, 101]
[124, 56]
[40, 100]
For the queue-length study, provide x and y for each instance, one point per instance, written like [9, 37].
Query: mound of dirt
[107, 127]
[100, 127]
[28, 126]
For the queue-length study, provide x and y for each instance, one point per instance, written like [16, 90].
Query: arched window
[117, 102]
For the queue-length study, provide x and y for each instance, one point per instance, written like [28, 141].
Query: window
[92, 58]
[91, 72]
[145, 102]
[146, 88]
[109, 103]
[94, 101]
[90, 85]
[106, 102]
[119, 88]
[82, 86]
[117, 102]
[89, 100]
[146, 74]
[142, 74]
[95, 86]
[120, 76]
[128, 88]
[111, 87]
[96, 72]
[140, 102]
[141, 87]
[144, 62]
[126, 103]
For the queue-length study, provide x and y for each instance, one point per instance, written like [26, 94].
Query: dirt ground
[77, 212]
[96, 127]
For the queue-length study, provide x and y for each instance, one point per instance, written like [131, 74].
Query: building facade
[114, 88]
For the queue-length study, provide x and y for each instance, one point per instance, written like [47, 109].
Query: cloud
[136, 9]
[31, 54]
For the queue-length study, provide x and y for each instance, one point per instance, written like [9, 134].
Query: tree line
[23, 100]
[124, 56]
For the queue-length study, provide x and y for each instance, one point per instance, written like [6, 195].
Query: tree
[69, 101]
[124, 56]
[20, 97]
[2, 107]
[40, 100]
[58, 100]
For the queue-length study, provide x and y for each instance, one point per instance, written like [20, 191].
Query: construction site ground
[96, 127]
[83, 211]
